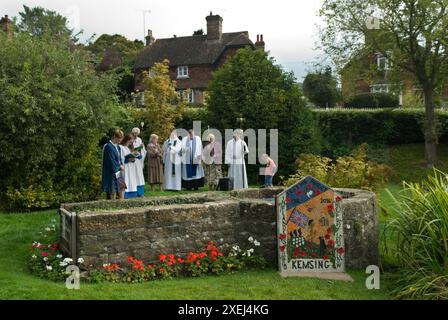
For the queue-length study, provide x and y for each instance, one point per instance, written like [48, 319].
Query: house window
[191, 96]
[379, 88]
[382, 62]
[187, 96]
[182, 72]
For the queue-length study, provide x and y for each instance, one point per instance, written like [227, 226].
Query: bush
[375, 127]
[54, 109]
[420, 230]
[373, 100]
[353, 171]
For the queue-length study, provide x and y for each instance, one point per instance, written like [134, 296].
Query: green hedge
[373, 100]
[349, 128]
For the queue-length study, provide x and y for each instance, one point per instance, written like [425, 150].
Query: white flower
[68, 260]
[80, 260]
[236, 248]
[47, 229]
[348, 226]
[45, 259]
[59, 256]
[106, 265]
[49, 268]
[63, 264]
[221, 240]
[251, 239]
[256, 243]
[34, 256]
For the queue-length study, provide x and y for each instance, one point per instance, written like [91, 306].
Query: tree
[198, 32]
[251, 86]
[321, 88]
[163, 105]
[40, 22]
[126, 48]
[53, 110]
[410, 34]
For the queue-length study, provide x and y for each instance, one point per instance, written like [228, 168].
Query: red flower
[329, 230]
[179, 260]
[325, 257]
[162, 257]
[303, 254]
[150, 266]
[327, 236]
[162, 269]
[338, 198]
[130, 259]
[330, 243]
[314, 254]
[202, 255]
[198, 263]
[44, 254]
[282, 248]
[282, 236]
[296, 252]
[330, 207]
[220, 254]
[341, 250]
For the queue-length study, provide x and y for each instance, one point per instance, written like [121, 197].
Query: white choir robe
[235, 152]
[171, 156]
[130, 173]
[197, 157]
[140, 163]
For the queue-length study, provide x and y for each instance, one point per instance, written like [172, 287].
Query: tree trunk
[430, 129]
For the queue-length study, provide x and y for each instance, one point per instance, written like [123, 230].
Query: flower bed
[48, 262]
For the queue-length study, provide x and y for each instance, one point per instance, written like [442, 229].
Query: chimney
[6, 26]
[260, 43]
[214, 27]
[149, 38]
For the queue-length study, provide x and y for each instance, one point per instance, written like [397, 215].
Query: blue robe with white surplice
[110, 166]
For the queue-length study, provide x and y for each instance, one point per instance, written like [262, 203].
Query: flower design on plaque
[310, 228]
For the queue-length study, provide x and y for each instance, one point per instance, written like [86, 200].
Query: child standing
[270, 170]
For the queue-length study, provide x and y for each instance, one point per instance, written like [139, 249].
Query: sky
[289, 27]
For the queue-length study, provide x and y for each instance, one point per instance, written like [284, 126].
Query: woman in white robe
[172, 163]
[192, 170]
[140, 162]
[236, 149]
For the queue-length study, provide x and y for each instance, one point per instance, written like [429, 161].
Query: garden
[58, 110]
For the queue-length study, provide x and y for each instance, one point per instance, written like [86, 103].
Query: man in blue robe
[112, 165]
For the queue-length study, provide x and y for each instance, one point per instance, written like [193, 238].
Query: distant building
[194, 58]
[7, 26]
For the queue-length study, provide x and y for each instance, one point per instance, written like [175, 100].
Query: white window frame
[382, 62]
[379, 88]
[182, 72]
[191, 96]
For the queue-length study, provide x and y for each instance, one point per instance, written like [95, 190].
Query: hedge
[352, 127]
[373, 100]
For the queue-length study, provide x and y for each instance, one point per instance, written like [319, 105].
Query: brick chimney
[214, 27]
[149, 38]
[260, 43]
[7, 26]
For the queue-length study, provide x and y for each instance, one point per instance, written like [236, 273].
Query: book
[139, 148]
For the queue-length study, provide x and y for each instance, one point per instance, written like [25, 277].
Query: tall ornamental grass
[420, 230]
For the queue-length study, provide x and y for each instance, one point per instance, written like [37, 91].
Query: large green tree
[41, 22]
[251, 86]
[53, 110]
[411, 34]
[320, 88]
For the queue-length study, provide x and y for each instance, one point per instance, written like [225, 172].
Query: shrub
[353, 171]
[373, 100]
[420, 230]
[54, 109]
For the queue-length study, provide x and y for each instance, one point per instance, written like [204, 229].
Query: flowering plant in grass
[46, 261]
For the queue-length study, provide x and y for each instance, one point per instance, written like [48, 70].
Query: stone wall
[110, 231]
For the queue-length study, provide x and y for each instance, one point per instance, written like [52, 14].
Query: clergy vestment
[192, 170]
[172, 161]
[130, 173]
[235, 152]
[111, 162]
[140, 163]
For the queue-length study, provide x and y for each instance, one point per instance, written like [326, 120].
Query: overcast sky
[288, 26]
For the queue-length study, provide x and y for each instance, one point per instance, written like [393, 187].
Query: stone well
[110, 231]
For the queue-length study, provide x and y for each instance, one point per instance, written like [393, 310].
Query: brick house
[193, 59]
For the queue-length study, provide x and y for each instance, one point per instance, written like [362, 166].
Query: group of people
[177, 164]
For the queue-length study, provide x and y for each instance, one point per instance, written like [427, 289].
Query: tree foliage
[126, 48]
[163, 105]
[54, 108]
[411, 34]
[251, 86]
[321, 88]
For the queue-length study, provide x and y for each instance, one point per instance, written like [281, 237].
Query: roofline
[199, 35]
